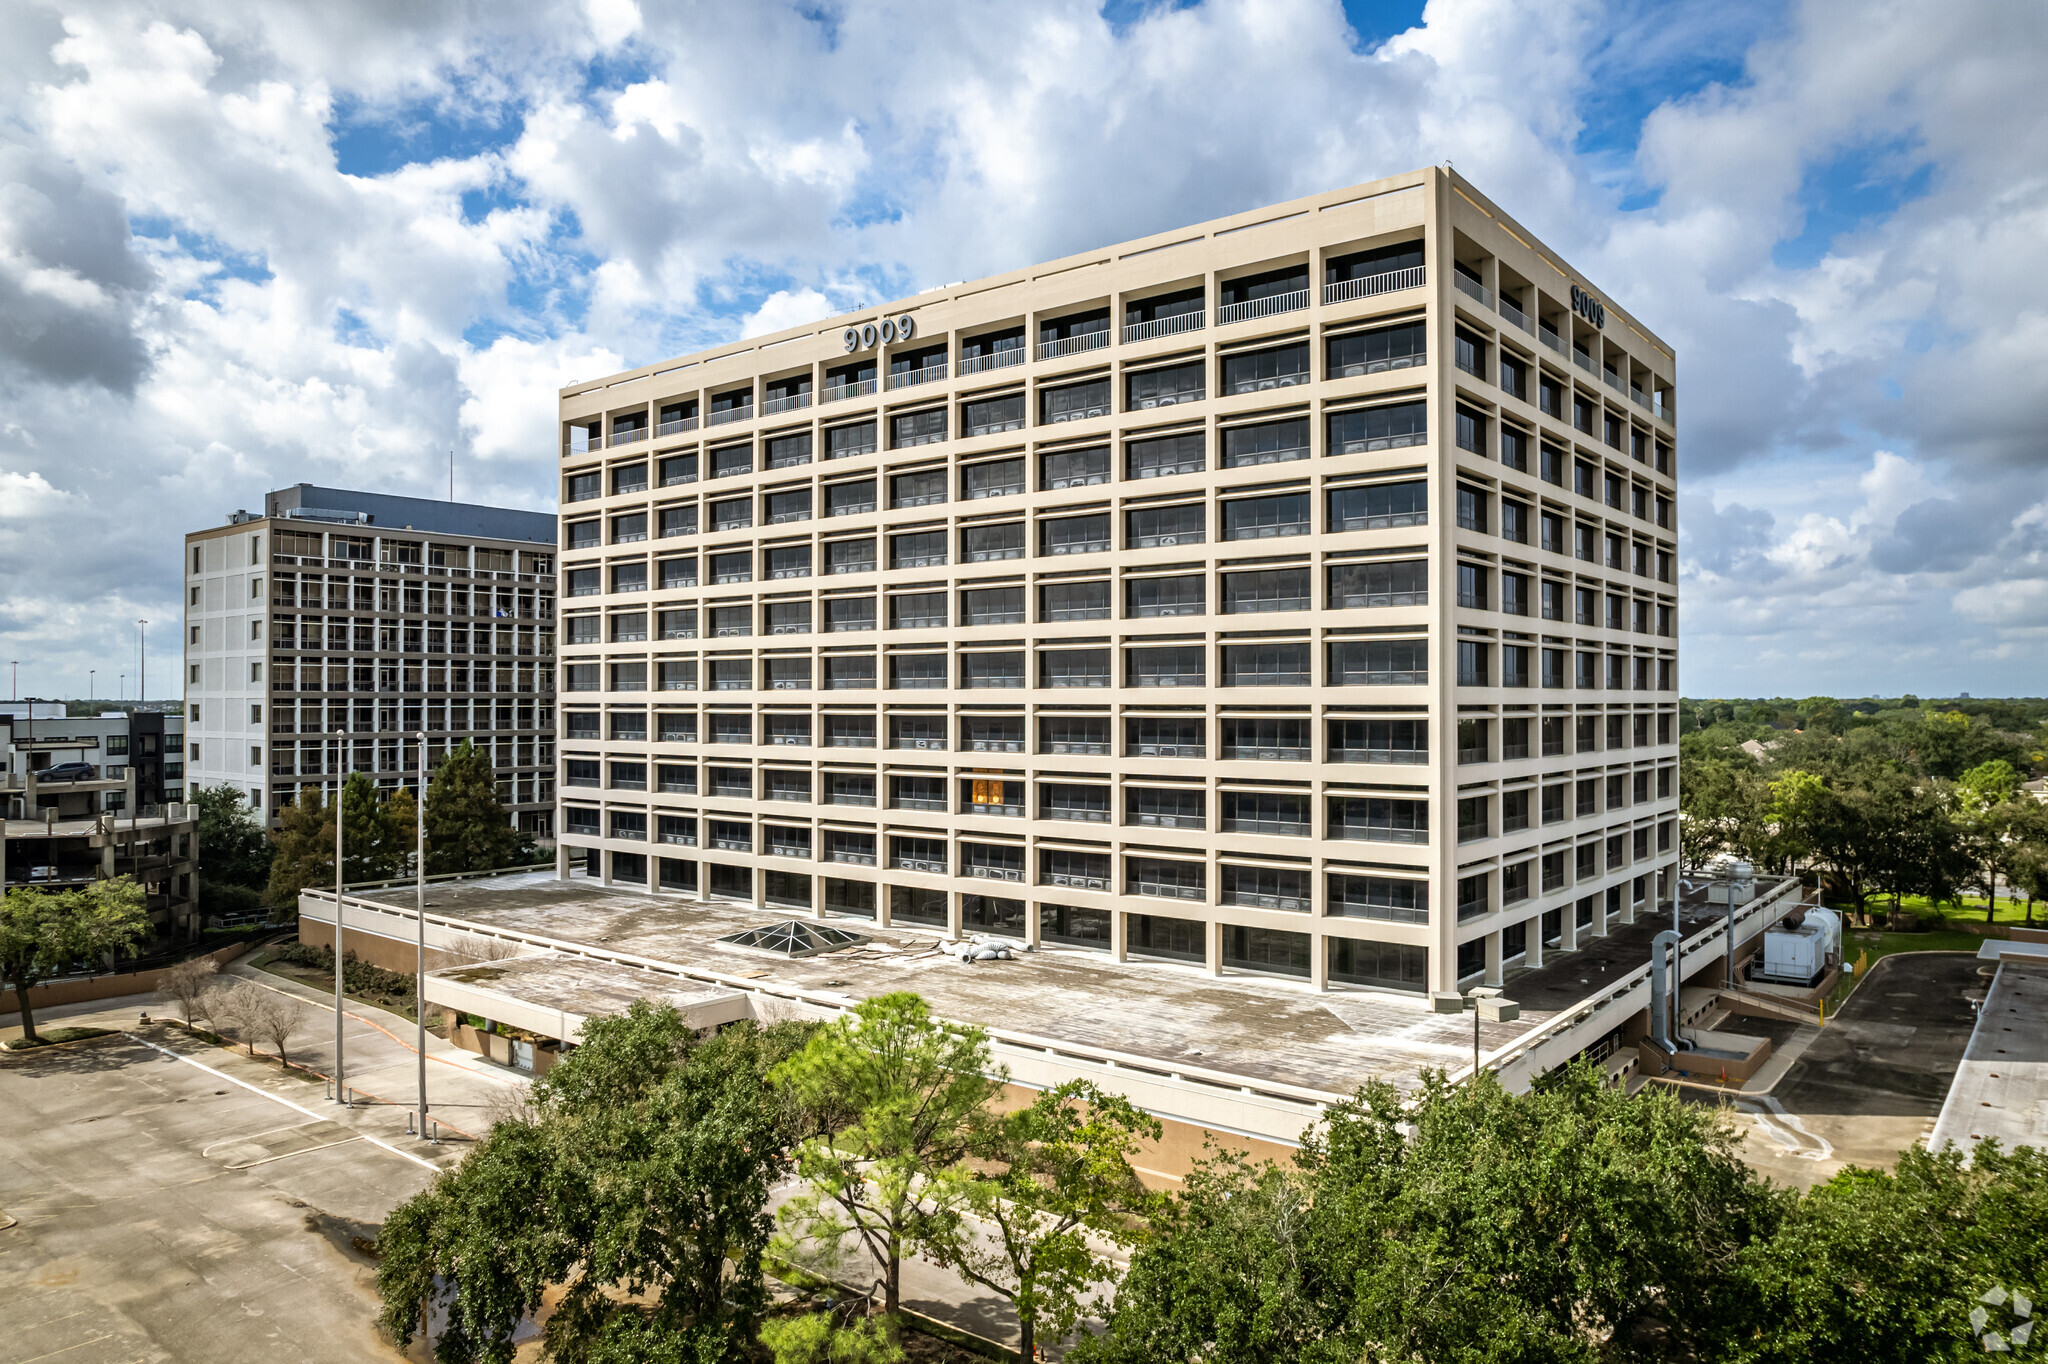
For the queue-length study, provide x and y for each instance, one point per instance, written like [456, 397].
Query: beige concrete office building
[326, 631]
[1293, 593]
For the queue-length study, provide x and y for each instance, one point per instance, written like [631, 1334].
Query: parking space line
[296, 1108]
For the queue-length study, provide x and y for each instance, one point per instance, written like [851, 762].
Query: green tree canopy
[468, 828]
[636, 1192]
[895, 1097]
[43, 930]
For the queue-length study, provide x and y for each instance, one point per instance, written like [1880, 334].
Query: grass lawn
[1969, 908]
[50, 1037]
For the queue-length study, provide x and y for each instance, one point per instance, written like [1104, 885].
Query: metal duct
[1663, 950]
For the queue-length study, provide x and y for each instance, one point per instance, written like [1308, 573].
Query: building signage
[888, 330]
[1583, 303]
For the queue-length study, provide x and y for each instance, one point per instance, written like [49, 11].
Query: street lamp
[419, 978]
[91, 683]
[141, 660]
[1485, 1002]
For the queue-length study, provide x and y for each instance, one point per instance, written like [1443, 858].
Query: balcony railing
[1551, 339]
[1163, 326]
[1269, 754]
[730, 414]
[835, 393]
[626, 437]
[1073, 345]
[1477, 292]
[1584, 362]
[1418, 756]
[675, 428]
[1262, 307]
[981, 364]
[1367, 286]
[788, 404]
[1515, 315]
[910, 377]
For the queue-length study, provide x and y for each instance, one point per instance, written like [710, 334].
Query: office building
[324, 633]
[1289, 594]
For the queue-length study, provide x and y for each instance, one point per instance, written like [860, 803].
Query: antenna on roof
[451, 473]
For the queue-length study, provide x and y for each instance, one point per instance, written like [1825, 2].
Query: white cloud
[1862, 418]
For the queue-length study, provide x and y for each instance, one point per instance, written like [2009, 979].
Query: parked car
[67, 772]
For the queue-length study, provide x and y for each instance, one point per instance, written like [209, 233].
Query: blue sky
[245, 246]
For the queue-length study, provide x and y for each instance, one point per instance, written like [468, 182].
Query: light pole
[92, 684]
[340, 1094]
[14, 688]
[419, 978]
[141, 660]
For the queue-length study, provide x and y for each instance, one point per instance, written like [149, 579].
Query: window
[849, 671]
[849, 788]
[917, 428]
[1378, 897]
[924, 488]
[1371, 352]
[1273, 813]
[1393, 582]
[1163, 738]
[1074, 668]
[732, 460]
[1266, 443]
[1085, 600]
[629, 677]
[1472, 580]
[580, 535]
[1073, 870]
[789, 506]
[1074, 534]
[850, 556]
[842, 442]
[909, 904]
[1073, 402]
[787, 617]
[678, 469]
[736, 566]
[1074, 734]
[730, 674]
[1514, 594]
[1263, 590]
[917, 611]
[1376, 819]
[1165, 807]
[987, 544]
[1155, 527]
[1471, 508]
[1002, 669]
[993, 606]
[1379, 741]
[1474, 741]
[730, 621]
[918, 549]
[678, 521]
[1379, 663]
[1181, 595]
[629, 577]
[678, 572]
[1471, 433]
[995, 478]
[1262, 518]
[1380, 506]
[582, 487]
[1280, 367]
[788, 451]
[1265, 740]
[1001, 734]
[789, 561]
[992, 914]
[1068, 801]
[1162, 877]
[628, 627]
[1266, 665]
[1167, 455]
[1266, 887]
[1164, 387]
[1473, 663]
[1179, 666]
[917, 671]
[1073, 468]
[1378, 428]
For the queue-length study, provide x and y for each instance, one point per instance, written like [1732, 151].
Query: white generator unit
[1801, 948]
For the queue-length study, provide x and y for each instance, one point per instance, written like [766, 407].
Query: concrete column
[1213, 936]
[1493, 958]
[1627, 915]
[1568, 926]
[881, 904]
[604, 864]
[1031, 936]
[1599, 929]
[1119, 935]
[1533, 957]
[952, 915]
[561, 861]
[1319, 961]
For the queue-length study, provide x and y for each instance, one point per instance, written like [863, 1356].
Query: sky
[246, 244]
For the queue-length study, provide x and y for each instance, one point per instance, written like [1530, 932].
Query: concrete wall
[112, 986]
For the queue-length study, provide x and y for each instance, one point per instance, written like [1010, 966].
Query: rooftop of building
[1264, 1029]
[2001, 1088]
[428, 516]
[1126, 250]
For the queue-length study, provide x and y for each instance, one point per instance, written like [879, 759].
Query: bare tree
[476, 947]
[187, 984]
[275, 1018]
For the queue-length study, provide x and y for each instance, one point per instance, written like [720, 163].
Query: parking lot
[174, 1201]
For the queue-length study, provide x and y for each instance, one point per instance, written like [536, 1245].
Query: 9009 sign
[872, 334]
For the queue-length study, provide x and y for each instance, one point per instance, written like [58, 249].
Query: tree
[896, 1097]
[1462, 1223]
[305, 851]
[369, 850]
[187, 985]
[467, 828]
[635, 1193]
[268, 1016]
[1046, 1180]
[1987, 817]
[42, 930]
[234, 850]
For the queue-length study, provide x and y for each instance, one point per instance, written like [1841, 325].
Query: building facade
[85, 798]
[1292, 593]
[323, 634]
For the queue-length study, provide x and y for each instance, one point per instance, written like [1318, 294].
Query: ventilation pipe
[1663, 953]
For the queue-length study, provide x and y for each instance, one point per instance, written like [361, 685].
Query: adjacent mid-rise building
[324, 633]
[86, 798]
[1292, 593]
